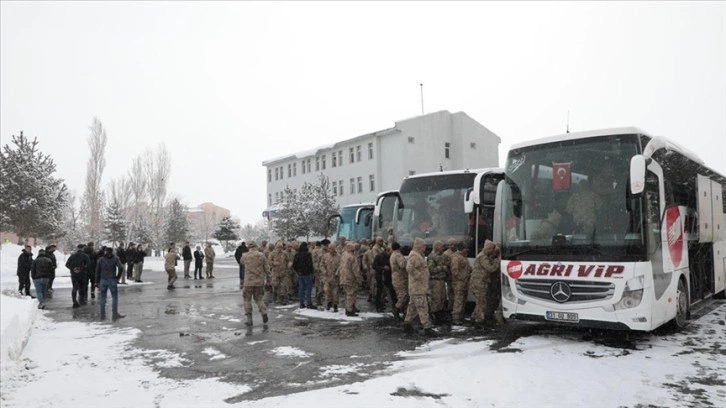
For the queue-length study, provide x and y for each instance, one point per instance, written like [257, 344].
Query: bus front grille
[565, 291]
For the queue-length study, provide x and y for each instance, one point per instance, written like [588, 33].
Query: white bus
[438, 206]
[611, 228]
[354, 222]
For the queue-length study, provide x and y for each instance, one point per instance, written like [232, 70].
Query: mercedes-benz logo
[560, 292]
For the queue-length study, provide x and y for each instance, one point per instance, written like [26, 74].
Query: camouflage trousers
[480, 297]
[418, 306]
[258, 294]
[319, 288]
[332, 292]
[401, 295]
[460, 291]
[372, 286]
[438, 295]
[350, 294]
[210, 269]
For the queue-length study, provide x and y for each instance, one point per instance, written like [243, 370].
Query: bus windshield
[567, 199]
[433, 209]
[347, 226]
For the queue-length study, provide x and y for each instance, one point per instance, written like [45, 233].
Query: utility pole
[568, 121]
[422, 104]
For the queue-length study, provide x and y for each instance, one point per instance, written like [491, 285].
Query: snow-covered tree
[226, 231]
[157, 169]
[115, 225]
[321, 206]
[290, 222]
[31, 199]
[93, 196]
[258, 232]
[71, 225]
[177, 223]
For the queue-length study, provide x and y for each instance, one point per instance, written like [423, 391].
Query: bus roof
[581, 135]
[464, 171]
[358, 205]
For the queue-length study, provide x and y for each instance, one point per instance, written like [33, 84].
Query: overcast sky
[228, 85]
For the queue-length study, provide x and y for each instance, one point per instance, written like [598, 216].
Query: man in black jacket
[302, 263]
[49, 252]
[108, 272]
[25, 261]
[41, 270]
[78, 265]
[187, 257]
[384, 280]
[122, 256]
[241, 249]
[91, 271]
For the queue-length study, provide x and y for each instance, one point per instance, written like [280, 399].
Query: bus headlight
[632, 295]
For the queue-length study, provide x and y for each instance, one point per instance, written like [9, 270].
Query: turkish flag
[561, 176]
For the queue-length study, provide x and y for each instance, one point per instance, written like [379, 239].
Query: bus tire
[682, 309]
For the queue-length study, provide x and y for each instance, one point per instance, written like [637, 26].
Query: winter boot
[351, 313]
[407, 328]
[117, 316]
[264, 319]
[76, 304]
[335, 308]
[249, 320]
[429, 332]
[330, 304]
[396, 314]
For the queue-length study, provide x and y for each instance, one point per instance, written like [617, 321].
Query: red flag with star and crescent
[561, 176]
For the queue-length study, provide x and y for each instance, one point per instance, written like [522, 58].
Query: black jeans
[24, 283]
[384, 281]
[80, 287]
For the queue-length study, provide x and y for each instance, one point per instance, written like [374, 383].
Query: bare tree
[157, 169]
[93, 196]
[137, 184]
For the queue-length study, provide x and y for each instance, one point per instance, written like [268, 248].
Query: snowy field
[41, 358]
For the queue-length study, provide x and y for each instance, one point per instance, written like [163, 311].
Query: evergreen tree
[226, 231]
[177, 223]
[322, 206]
[31, 199]
[258, 232]
[290, 222]
[115, 226]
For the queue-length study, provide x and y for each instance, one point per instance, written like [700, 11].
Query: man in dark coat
[302, 263]
[41, 270]
[91, 271]
[108, 272]
[384, 279]
[241, 249]
[78, 265]
[49, 252]
[187, 258]
[25, 261]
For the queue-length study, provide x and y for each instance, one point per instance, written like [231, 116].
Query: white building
[361, 167]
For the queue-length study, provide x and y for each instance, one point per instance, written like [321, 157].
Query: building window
[277, 197]
[411, 172]
[372, 181]
[302, 166]
[352, 156]
[340, 187]
[309, 161]
[289, 170]
[446, 150]
[276, 174]
[410, 139]
[294, 169]
[317, 163]
[352, 185]
[282, 196]
[269, 175]
[370, 151]
[340, 157]
[269, 199]
[472, 145]
[335, 189]
[358, 152]
[360, 184]
[335, 162]
[323, 161]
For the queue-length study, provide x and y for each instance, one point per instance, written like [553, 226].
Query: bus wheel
[681, 318]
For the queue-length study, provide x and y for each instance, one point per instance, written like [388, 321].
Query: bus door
[364, 221]
[385, 213]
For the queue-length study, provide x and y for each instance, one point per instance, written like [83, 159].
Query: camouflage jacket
[439, 266]
[460, 269]
[257, 270]
[398, 269]
[418, 274]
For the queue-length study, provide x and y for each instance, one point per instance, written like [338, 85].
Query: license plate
[562, 317]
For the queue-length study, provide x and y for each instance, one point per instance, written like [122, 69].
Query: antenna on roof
[568, 121]
[422, 105]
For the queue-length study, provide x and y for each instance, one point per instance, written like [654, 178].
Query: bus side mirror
[637, 174]
[469, 201]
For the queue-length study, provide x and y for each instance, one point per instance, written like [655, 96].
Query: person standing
[439, 269]
[121, 254]
[130, 260]
[486, 265]
[418, 287]
[108, 272]
[198, 262]
[318, 253]
[257, 276]
[382, 268]
[187, 258]
[450, 249]
[25, 262]
[209, 256]
[279, 260]
[330, 265]
[350, 278]
[460, 276]
[399, 277]
[241, 250]
[41, 270]
[138, 258]
[302, 264]
[172, 256]
[50, 253]
[91, 272]
[78, 266]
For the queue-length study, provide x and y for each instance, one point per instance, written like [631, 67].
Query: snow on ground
[554, 370]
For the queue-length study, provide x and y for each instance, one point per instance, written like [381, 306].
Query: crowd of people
[428, 290]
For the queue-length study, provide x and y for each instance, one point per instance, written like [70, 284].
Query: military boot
[330, 304]
[249, 320]
[407, 328]
[264, 318]
[430, 332]
[352, 313]
[396, 314]
[335, 308]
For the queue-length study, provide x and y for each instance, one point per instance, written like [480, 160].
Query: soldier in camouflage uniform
[280, 276]
[460, 274]
[364, 253]
[291, 249]
[350, 278]
[486, 266]
[418, 287]
[450, 249]
[330, 265]
[439, 269]
[257, 275]
[400, 280]
[376, 249]
[318, 275]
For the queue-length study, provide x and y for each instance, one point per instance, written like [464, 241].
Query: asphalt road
[203, 321]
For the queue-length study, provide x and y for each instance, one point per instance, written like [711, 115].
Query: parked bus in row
[354, 222]
[611, 228]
